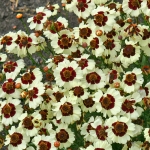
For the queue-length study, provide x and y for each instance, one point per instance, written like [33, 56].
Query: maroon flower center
[109, 44]
[101, 132]
[78, 91]
[94, 44]
[44, 145]
[62, 136]
[82, 5]
[10, 66]
[107, 102]
[112, 76]
[130, 79]
[9, 86]
[38, 17]
[46, 97]
[148, 4]
[6, 40]
[100, 19]
[127, 106]
[134, 4]
[85, 32]
[28, 78]
[8, 110]
[68, 74]
[99, 149]
[129, 51]
[93, 78]
[44, 114]
[66, 109]
[111, 33]
[146, 34]
[119, 128]
[88, 102]
[58, 58]
[58, 95]
[89, 127]
[16, 139]
[32, 93]
[27, 123]
[83, 63]
[65, 42]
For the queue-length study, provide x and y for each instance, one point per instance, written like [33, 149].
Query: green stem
[25, 26]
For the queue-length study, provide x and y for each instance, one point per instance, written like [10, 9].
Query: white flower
[147, 134]
[132, 80]
[120, 129]
[39, 19]
[3, 57]
[67, 111]
[16, 140]
[10, 111]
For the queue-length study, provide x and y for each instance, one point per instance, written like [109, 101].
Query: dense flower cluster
[93, 92]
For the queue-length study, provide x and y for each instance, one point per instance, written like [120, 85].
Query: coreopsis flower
[129, 106]
[130, 53]
[10, 111]
[44, 142]
[132, 80]
[83, 8]
[132, 7]
[3, 57]
[26, 123]
[147, 134]
[53, 8]
[64, 135]
[12, 68]
[102, 145]
[104, 18]
[64, 43]
[94, 79]
[8, 89]
[109, 103]
[67, 110]
[100, 130]
[66, 73]
[37, 21]
[16, 139]
[53, 28]
[120, 129]
[34, 94]
[29, 77]
[8, 40]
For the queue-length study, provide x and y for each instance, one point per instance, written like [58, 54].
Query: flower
[120, 129]
[16, 140]
[39, 19]
[3, 57]
[147, 134]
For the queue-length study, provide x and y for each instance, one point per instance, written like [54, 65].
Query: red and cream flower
[3, 57]
[99, 145]
[10, 111]
[16, 139]
[53, 28]
[34, 94]
[132, 7]
[132, 80]
[8, 40]
[130, 53]
[120, 129]
[147, 134]
[64, 135]
[8, 89]
[12, 68]
[29, 77]
[44, 142]
[67, 110]
[67, 73]
[53, 8]
[94, 79]
[100, 130]
[26, 123]
[109, 103]
[64, 43]
[83, 8]
[37, 21]
[104, 18]
[129, 106]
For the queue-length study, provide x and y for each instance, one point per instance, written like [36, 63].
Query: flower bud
[116, 85]
[84, 44]
[19, 16]
[45, 69]
[24, 94]
[57, 144]
[18, 85]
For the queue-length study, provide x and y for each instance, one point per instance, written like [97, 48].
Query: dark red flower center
[82, 5]
[58, 95]
[27, 123]
[109, 44]
[9, 86]
[78, 91]
[44, 145]
[130, 79]
[94, 44]
[10, 66]
[134, 4]
[44, 114]
[129, 51]
[66, 109]
[6, 40]
[16, 139]
[28, 78]
[85, 32]
[101, 132]
[88, 102]
[32, 93]
[62, 136]
[83, 63]
[127, 106]
[93, 78]
[38, 17]
[58, 58]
